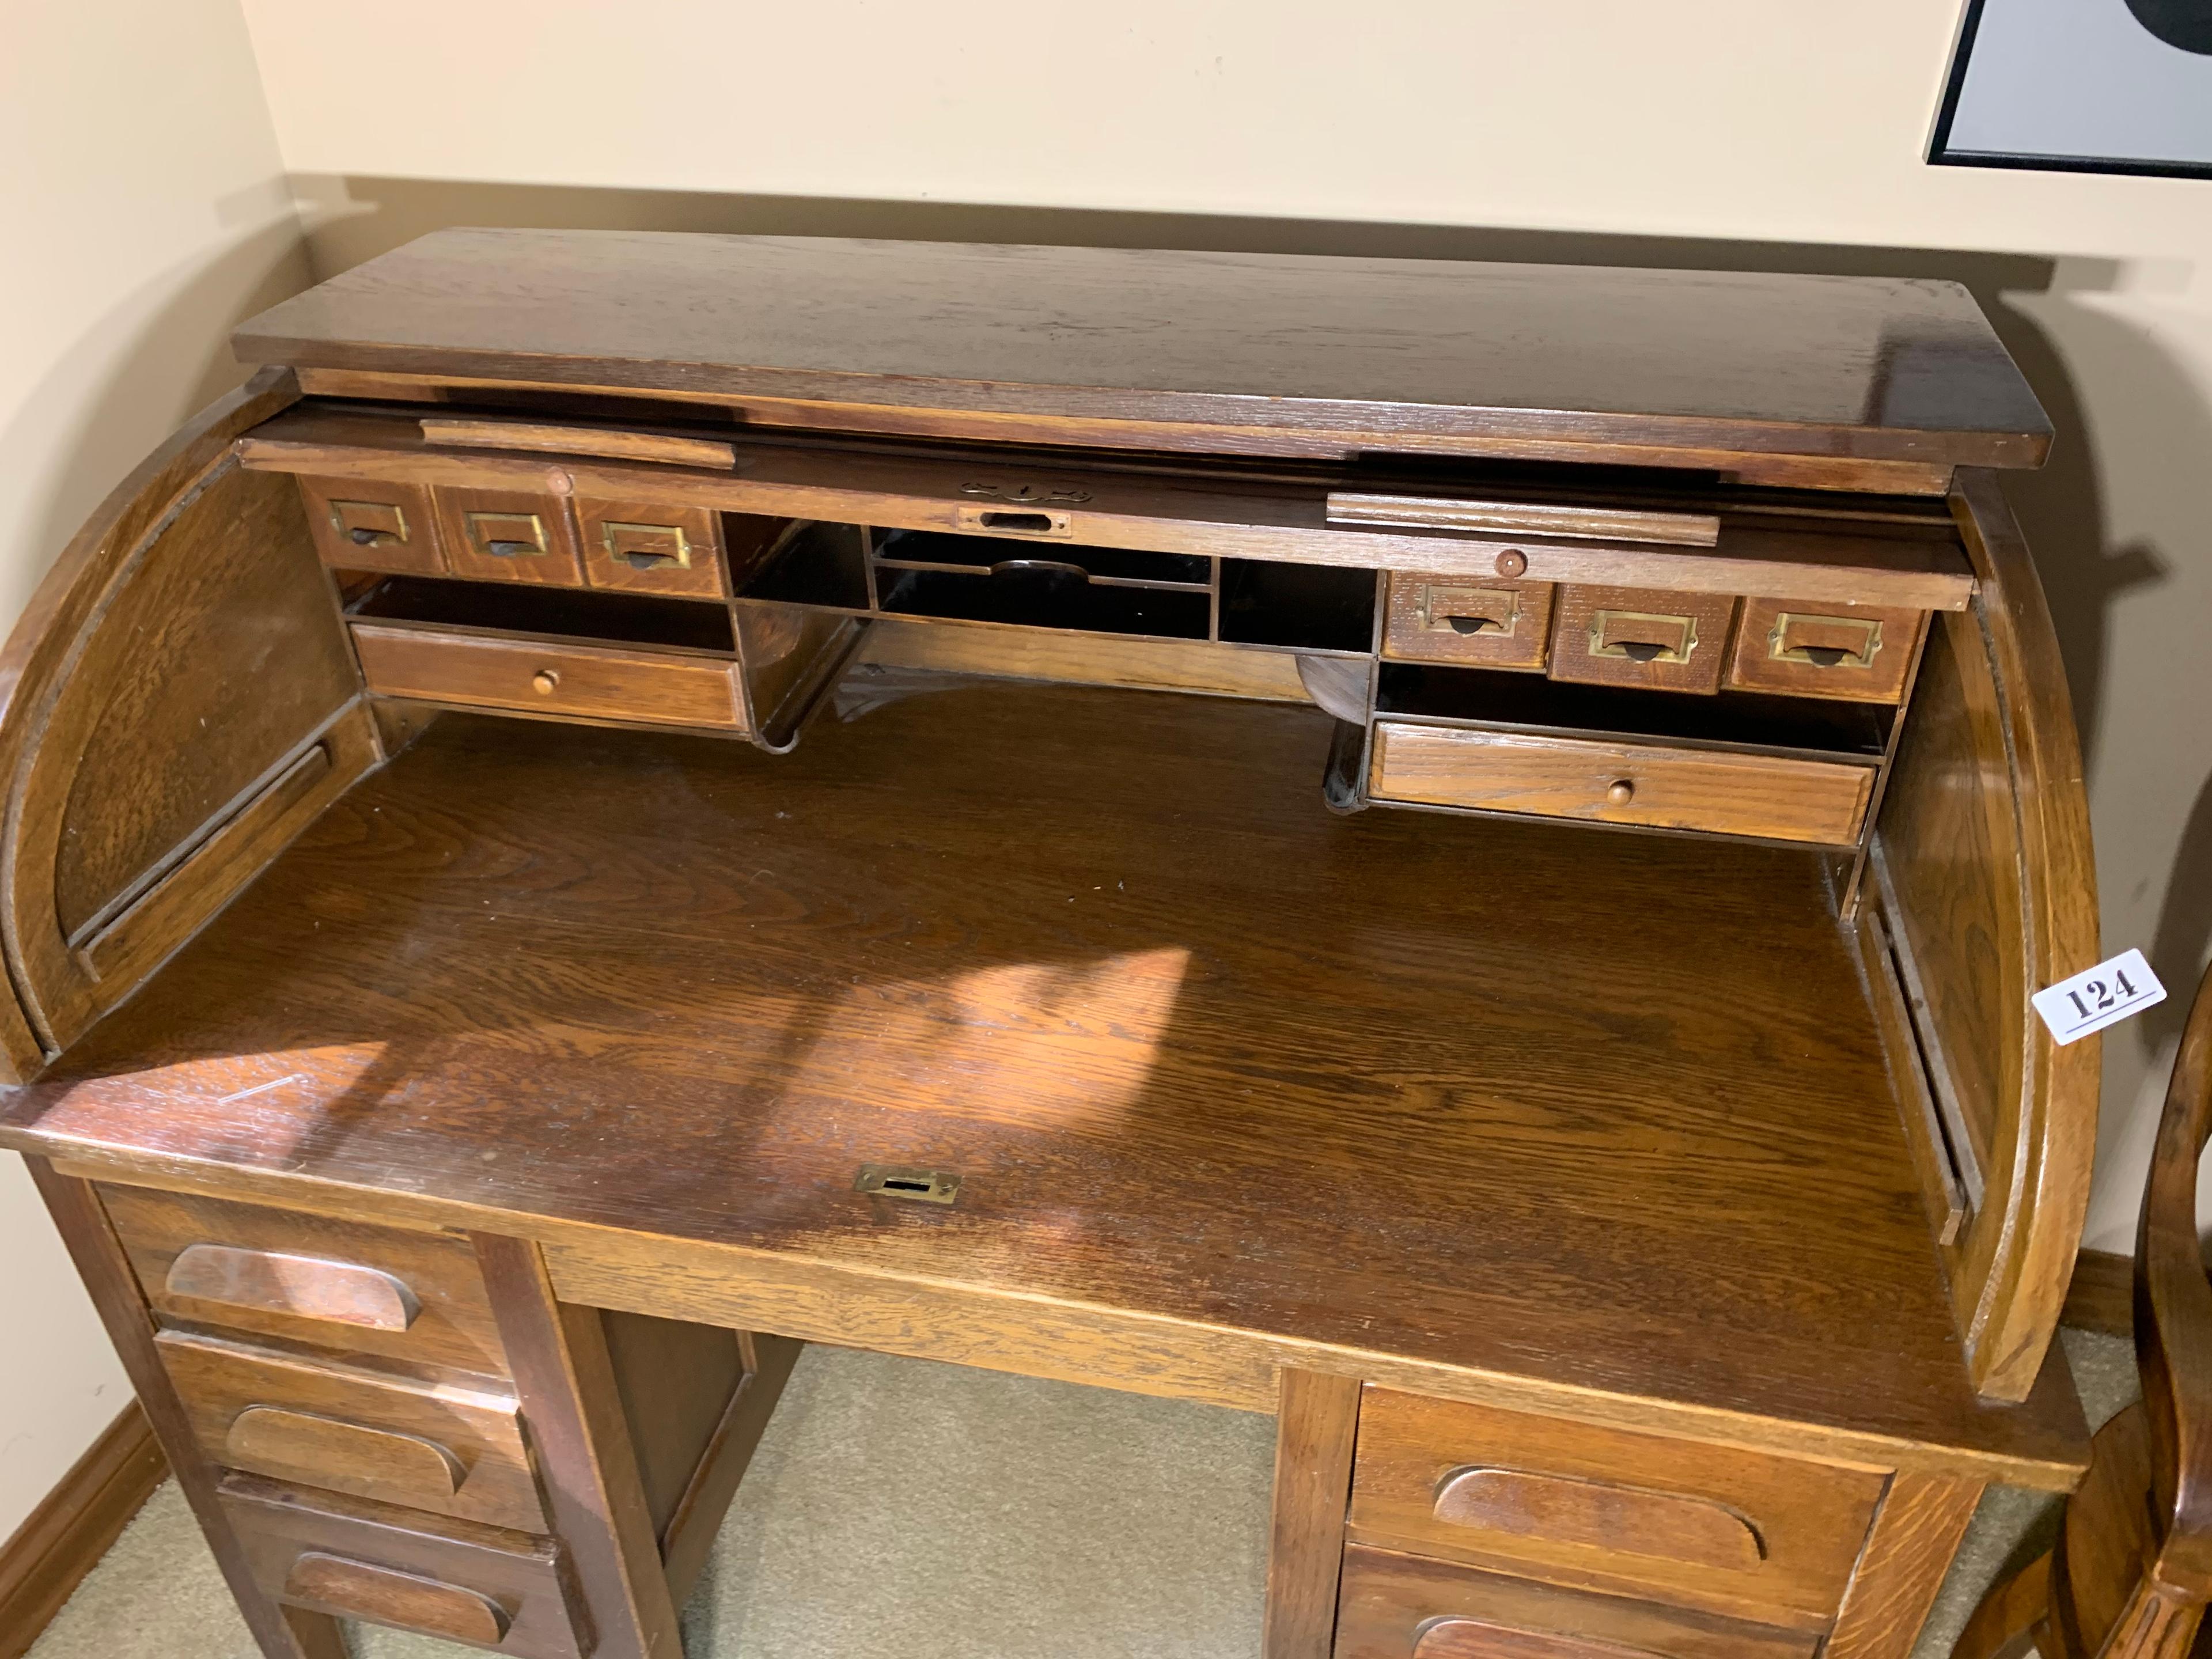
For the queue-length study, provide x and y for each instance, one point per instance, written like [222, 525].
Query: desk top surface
[1604, 1111]
[1870, 368]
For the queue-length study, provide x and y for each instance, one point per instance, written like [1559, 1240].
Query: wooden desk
[1633, 1177]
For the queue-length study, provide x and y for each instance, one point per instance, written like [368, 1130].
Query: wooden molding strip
[580, 440]
[2101, 1295]
[1524, 518]
[64, 1537]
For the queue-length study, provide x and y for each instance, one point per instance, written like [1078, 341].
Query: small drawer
[446, 1448]
[1720, 792]
[1482, 624]
[498, 535]
[1636, 636]
[1402, 1606]
[648, 549]
[1858, 652]
[1732, 1531]
[585, 682]
[367, 523]
[397, 1294]
[494, 1590]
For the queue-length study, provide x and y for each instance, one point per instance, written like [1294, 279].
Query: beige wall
[143, 209]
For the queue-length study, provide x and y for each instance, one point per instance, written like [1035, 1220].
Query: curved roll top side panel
[175, 704]
[1988, 890]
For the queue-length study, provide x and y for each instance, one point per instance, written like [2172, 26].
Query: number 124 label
[2101, 996]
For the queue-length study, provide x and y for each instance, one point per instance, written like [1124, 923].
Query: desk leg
[565, 1382]
[1916, 1532]
[282, 1632]
[1317, 1417]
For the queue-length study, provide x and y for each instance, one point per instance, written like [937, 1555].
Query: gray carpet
[902, 1510]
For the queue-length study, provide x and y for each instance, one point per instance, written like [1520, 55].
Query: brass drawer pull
[325, 1451]
[369, 524]
[357, 1589]
[1471, 610]
[646, 546]
[1673, 1525]
[545, 682]
[304, 1286]
[1005, 521]
[1824, 641]
[508, 534]
[1642, 635]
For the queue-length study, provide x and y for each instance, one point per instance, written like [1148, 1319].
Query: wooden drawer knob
[1621, 792]
[325, 1451]
[1512, 564]
[545, 682]
[355, 1589]
[304, 1286]
[1672, 1526]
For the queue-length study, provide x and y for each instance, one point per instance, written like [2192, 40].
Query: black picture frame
[1940, 154]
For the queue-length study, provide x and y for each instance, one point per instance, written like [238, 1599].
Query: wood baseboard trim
[2101, 1297]
[64, 1537]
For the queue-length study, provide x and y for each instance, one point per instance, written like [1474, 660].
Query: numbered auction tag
[2104, 995]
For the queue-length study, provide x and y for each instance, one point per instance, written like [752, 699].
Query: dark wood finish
[1491, 624]
[1392, 1603]
[1289, 1019]
[1608, 636]
[647, 547]
[601, 682]
[592, 1486]
[373, 524]
[1250, 350]
[570, 439]
[688, 1536]
[1650, 784]
[1916, 1532]
[2100, 1295]
[434, 1446]
[333, 1555]
[677, 1382]
[1516, 518]
[343, 1293]
[62, 1540]
[1693, 1525]
[1212, 510]
[1316, 1424]
[1861, 653]
[508, 535]
[290, 1297]
[281, 1632]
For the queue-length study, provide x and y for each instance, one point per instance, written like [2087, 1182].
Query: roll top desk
[1456, 853]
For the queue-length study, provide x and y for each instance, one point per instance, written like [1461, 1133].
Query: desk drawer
[371, 524]
[1733, 1532]
[1635, 637]
[416, 1297]
[644, 547]
[1400, 1606]
[503, 1591]
[1477, 623]
[589, 681]
[440, 1447]
[1858, 653]
[504, 535]
[1606, 781]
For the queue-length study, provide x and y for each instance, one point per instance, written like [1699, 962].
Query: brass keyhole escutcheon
[1621, 792]
[545, 682]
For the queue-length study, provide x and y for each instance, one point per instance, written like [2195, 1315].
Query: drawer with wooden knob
[1739, 1533]
[447, 1448]
[1633, 636]
[486, 1587]
[373, 524]
[1859, 653]
[632, 684]
[391, 1293]
[502, 535]
[642, 547]
[1607, 780]
[1481, 623]
[1391, 1606]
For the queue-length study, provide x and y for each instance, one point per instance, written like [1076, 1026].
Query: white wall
[143, 209]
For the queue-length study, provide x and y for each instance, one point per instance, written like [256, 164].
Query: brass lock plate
[901, 1181]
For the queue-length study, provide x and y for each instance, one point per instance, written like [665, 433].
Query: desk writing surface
[1606, 1110]
[1880, 368]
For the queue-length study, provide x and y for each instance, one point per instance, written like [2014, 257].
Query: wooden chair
[2131, 1572]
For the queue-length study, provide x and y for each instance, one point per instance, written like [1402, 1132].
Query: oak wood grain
[1600, 635]
[570, 439]
[1316, 1424]
[1916, 1532]
[1483, 624]
[485, 671]
[1194, 969]
[1607, 781]
[508, 535]
[373, 524]
[1656, 358]
[651, 547]
[266, 1282]
[1457, 513]
[1779, 647]
[357, 1589]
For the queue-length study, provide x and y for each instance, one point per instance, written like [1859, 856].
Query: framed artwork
[2080, 86]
